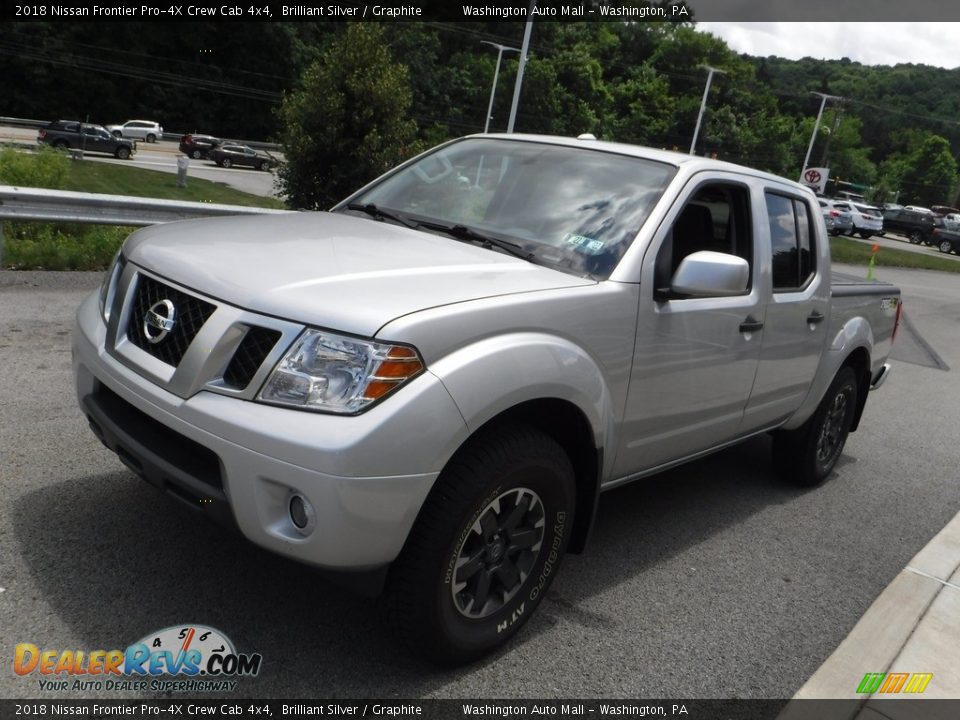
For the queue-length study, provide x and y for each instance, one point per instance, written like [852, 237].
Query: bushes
[43, 246]
[46, 168]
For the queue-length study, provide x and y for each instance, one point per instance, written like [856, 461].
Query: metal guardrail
[172, 137]
[35, 204]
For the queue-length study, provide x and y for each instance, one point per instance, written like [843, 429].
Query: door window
[791, 242]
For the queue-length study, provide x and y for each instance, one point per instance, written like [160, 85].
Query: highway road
[163, 156]
[711, 580]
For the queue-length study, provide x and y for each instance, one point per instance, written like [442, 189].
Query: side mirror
[711, 273]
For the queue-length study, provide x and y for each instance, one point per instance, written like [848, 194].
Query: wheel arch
[566, 424]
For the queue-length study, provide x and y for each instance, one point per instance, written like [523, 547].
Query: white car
[867, 220]
[139, 129]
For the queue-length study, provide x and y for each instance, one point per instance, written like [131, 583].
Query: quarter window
[791, 242]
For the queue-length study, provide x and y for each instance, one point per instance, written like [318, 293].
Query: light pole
[523, 64]
[496, 74]
[816, 126]
[703, 103]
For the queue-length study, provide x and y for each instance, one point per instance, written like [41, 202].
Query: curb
[912, 627]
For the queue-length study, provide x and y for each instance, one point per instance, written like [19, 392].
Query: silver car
[867, 220]
[837, 217]
[139, 129]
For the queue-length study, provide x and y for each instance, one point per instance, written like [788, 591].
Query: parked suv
[72, 134]
[917, 226]
[198, 146]
[867, 220]
[139, 129]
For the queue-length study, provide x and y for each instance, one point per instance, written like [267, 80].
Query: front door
[695, 358]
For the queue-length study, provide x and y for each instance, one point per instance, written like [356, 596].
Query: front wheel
[485, 548]
[196, 154]
[808, 454]
[866, 235]
[946, 246]
[122, 153]
[226, 162]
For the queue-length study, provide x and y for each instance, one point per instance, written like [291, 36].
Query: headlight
[333, 373]
[108, 287]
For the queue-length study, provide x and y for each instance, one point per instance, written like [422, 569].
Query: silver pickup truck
[430, 385]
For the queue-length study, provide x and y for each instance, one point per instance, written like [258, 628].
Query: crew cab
[429, 385]
[72, 134]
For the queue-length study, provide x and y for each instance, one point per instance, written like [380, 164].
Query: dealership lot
[712, 580]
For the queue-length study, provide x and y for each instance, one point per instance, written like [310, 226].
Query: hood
[331, 270]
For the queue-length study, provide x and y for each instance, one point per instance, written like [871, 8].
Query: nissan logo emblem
[159, 320]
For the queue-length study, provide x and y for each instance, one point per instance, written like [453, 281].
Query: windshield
[573, 209]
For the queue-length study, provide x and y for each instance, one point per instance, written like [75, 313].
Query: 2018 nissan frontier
[431, 384]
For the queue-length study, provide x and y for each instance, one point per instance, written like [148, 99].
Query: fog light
[301, 514]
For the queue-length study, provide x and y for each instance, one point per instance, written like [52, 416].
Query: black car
[917, 226]
[228, 155]
[198, 146]
[72, 134]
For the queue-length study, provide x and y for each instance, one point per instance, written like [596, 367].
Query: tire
[151, 138]
[226, 162]
[470, 522]
[61, 145]
[915, 237]
[946, 247]
[265, 166]
[123, 153]
[806, 456]
[196, 154]
[866, 235]
[117, 134]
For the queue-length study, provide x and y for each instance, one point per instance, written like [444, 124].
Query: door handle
[751, 324]
[815, 317]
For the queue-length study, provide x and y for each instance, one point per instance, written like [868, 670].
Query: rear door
[798, 307]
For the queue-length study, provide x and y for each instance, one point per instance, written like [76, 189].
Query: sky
[871, 43]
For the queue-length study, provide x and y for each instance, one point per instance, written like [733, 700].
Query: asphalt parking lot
[711, 580]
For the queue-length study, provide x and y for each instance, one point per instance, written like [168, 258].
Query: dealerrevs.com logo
[204, 657]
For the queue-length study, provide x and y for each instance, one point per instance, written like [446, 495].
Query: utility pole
[523, 64]
[838, 118]
[816, 126]
[496, 74]
[703, 103]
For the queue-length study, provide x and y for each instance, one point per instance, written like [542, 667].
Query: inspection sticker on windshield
[584, 243]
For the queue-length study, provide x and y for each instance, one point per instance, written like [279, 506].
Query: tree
[348, 121]
[931, 173]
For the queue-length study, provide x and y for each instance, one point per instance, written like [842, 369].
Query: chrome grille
[190, 315]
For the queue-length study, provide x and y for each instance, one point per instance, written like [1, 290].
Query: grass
[115, 179]
[844, 250]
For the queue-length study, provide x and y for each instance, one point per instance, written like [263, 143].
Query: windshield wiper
[381, 214]
[462, 232]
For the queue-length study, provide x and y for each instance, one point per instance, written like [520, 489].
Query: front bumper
[366, 476]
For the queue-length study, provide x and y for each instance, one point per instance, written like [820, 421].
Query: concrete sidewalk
[912, 627]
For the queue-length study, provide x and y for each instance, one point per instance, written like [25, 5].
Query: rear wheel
[61, 145]
[117, 134]
[808, 454]
[487, 545]
[151, 138]
[915, 237]
[265, 166]
[866, 235]
[196, 154]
